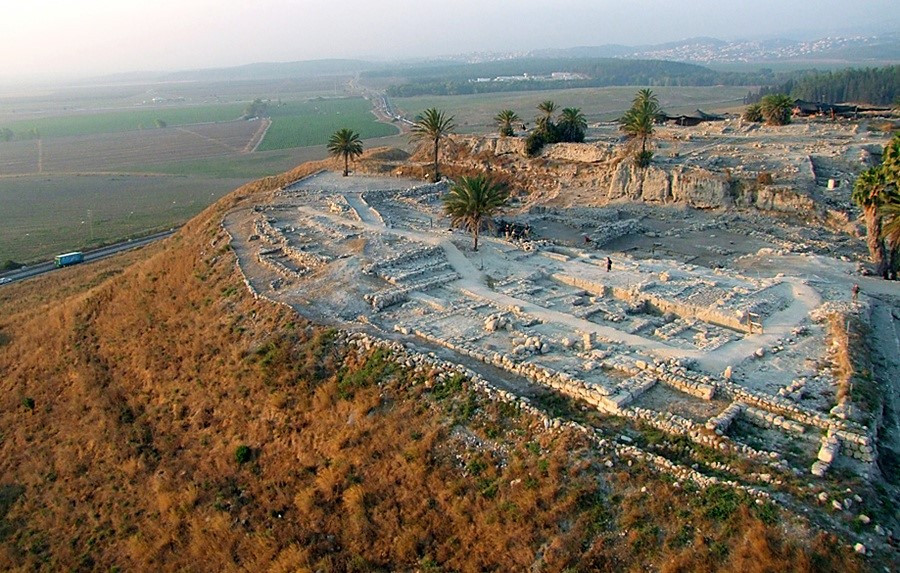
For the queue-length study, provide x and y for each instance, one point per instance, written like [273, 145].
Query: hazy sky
[66, 38]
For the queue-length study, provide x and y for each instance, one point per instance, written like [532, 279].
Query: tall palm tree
[646, 100]
[776, 109]
[572, 124]
[869, 193]
[345, 143]
[890, 208]
[890, 228]
[505, 120]
[546, 108]
[645, 97]
[472, 200]
[432, 125]
[637, 124]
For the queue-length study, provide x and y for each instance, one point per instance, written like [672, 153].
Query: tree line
[600, 72]
[876, 86]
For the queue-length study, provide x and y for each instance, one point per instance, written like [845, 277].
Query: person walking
[855, 292]
[608, 264]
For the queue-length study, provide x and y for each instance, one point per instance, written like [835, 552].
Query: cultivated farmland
[118, 121]
[46, 215]
[121, 151]
[299, 124]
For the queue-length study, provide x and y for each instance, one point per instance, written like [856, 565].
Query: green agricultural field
[43, 216]
[475, 113]
[312, 122]
[119, 121]
[258, 164]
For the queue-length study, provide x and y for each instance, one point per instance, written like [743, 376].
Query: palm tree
[890, 228]
[776, 109]
[890, 207]
[572, 124]
[546, 108]
[753, 113]
[637, 124]
[504, 120]
[645, 97]
[869, 194]
[432, 125]
[473, 199]
[646, 100]
[345, 143]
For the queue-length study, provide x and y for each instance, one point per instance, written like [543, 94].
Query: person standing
[855, 292]
[608, 264]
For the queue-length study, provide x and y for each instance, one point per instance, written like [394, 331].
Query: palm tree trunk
[894, 261]
[476, 236]
[874, 240]
[437, 176]
[346, 165]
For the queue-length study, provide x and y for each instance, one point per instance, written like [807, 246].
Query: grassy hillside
[155, 417]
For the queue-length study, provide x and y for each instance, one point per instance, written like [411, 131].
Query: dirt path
[366, 213]
[777, 326]
[258, 137]
[210, 139]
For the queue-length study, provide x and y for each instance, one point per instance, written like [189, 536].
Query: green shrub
[753, 113]
[448, 387]
[534, 143]
[377, 366]
[243, 454]
[642, 158]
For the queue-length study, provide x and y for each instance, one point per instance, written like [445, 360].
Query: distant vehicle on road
[69, 259]
[5, 280]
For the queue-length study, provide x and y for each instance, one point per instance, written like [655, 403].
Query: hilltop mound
[156, 416]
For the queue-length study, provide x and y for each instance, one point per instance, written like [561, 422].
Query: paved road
[89, 256]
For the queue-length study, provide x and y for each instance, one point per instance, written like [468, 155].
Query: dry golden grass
[125, 396]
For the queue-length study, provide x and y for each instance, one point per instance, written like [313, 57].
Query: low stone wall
[720, 423]
[682, 379]
[766, 419]
[614, 230]
[402, 259]
[674, 424]
[305, 258]
[705, 313]
[265, 258]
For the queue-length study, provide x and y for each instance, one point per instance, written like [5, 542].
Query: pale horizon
[64, 40]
